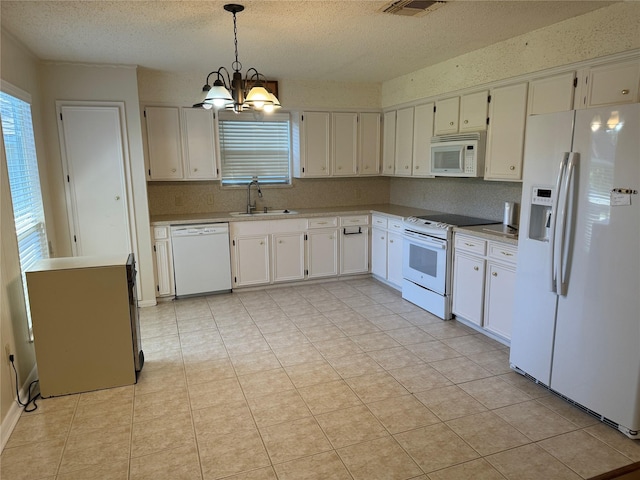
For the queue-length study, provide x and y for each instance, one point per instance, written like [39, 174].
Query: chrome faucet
[251, 208]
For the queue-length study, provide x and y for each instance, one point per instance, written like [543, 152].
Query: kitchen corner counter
[490, 232]
[400, 211]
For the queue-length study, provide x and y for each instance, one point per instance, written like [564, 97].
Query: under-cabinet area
[484, 273]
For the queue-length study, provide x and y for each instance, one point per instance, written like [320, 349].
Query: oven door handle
[425, 240]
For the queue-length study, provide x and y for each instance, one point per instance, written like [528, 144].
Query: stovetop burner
[457, 220]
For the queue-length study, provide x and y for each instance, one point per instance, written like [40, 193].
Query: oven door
[424, 261]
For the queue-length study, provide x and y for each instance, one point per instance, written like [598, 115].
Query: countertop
[498, 232]
[399, 211]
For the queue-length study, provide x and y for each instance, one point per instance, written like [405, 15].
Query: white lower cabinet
[163, 258]
[354, 244]
[386, 249]
[251, 260]
[288, 257]
[322, 247]
[483, 283]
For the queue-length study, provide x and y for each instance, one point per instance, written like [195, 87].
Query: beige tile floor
[340, 380]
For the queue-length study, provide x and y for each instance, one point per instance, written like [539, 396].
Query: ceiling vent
[411, 8]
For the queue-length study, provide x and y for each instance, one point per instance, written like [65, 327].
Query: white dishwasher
[201, 259]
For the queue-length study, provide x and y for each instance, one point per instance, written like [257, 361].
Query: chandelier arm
[225, 81]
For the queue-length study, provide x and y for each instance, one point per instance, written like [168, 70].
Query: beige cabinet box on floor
[85, 323]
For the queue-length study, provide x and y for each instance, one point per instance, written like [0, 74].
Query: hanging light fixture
[234, 92]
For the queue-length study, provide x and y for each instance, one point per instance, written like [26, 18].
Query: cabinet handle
[417, 167]
[512, 167]
[476, 268]
[339, 168]
[625, 92]
[366, 167]
[173, 170]
[382, 238]
[195, 169]
[451, 123]
[470, 244]
[406, 166]
[390, 241]
[322, 223]
[507, 254]
[322, 168]
[261, 243]
[117, 197]
[466, 121]
[495, 274]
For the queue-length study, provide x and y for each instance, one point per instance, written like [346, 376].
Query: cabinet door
[322, 253]
[316, 134]
[614, 84]
[163, 137]
[288, 257]
[345, 143]
[505, 139]
[404, 141]
[501, 280]
[379, 252]
[551, 94]
[369, 144]
[199, 144]
[468, 287]
[447, 116]
[422, 133]
[473, 111]
[164, 268]
[394, 258]
[389, 143]
[354, 251]
[252, 260]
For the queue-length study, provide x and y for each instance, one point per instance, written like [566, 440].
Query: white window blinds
[24, 181]
[251, 147]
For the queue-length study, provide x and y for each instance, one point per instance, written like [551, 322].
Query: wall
[183, 89]
[602, 32]
[99, 83]
[19, 68]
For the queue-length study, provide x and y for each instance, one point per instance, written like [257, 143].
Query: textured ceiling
[327, 40]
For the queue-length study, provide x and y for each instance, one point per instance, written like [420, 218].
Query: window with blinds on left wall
[24, 181]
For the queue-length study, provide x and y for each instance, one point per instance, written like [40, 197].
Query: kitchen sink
[263, 214]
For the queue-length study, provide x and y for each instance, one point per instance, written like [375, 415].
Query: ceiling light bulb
[269, 108]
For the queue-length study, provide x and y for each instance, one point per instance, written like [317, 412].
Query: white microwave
[458, 155]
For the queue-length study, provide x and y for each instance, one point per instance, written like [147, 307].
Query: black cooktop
[457, 220]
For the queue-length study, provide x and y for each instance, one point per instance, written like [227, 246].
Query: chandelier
[234, 92]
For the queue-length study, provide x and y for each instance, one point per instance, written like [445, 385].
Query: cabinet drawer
[161, 233]
[470, 244]
[249, 228]
[503, 252]
[378, 221]
[395, 225]
[354, 220]
[324, 222]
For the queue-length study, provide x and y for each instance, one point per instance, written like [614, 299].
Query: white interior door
[94, 150]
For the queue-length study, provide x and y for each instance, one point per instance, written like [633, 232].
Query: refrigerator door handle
[553, 254]
[565, 215]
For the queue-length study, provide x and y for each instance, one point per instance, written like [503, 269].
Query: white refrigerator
[576, 322]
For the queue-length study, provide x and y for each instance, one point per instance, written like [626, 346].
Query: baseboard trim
[13, 415]
[146, 303]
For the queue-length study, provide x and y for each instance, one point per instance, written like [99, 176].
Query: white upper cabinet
[505, 138]
[316, 145]
[389, 143]
[422, 133]
[613, 84]
[551, 94]
[199, 144]
[181, 143]
[345, 143]
[163, 137]
[467, 113]
[473, 112]
[404, 142]
[369, 141]
[447, 112]
[337, 144]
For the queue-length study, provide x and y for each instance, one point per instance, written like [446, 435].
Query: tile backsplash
[166, 198]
